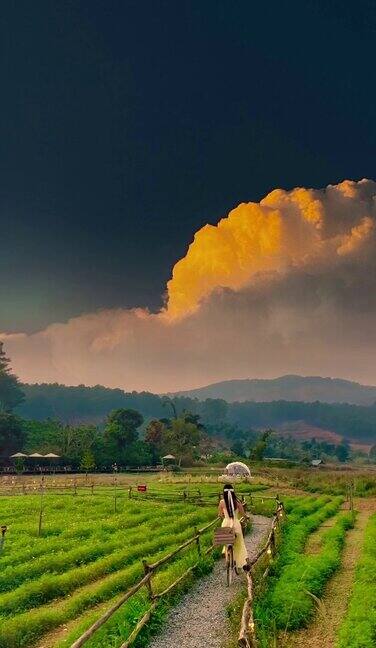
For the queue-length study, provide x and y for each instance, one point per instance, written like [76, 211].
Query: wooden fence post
[147, 570]
[197, 534]
[41, 506]
[4, 529]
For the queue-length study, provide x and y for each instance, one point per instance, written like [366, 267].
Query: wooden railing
[247, 634]
[146, 581]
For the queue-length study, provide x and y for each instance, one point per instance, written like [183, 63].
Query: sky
[126, 127]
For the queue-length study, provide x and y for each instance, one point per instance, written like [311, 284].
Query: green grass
[87, 555]
[292, 599]
[295, 577]
[358, 629]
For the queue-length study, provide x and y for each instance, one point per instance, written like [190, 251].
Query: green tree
[44, 436]
[342, 452]
[154, 437]
[214, 410]
[121, 427]
[238, 448]
[138, 454]
[87, 462]
[258, 449]
[193, 418]
[19, 465]
[12, 434]
[11, 393]
[182, 439]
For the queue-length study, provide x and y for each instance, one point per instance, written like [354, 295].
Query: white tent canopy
[169, 456]
[51, 455]
[36, 455]
[18, 455]
[237, 469]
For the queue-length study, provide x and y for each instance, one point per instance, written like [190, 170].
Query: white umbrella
[18, 455]
[36, 455]
[169, 457]
[236, 468]
[51, 455]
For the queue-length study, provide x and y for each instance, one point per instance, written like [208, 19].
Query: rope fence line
[117, 492]
[146, 581]
[76, 487]
[247, 633]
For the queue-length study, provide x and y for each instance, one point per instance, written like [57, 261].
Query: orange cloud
[287, 229]
[287, 285]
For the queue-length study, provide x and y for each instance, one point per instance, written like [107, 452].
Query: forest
[91, 405]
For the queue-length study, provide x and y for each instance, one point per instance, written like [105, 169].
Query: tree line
[99, 426]
[91, 405]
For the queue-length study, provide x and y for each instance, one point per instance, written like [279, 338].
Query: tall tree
[154, 437]
[182, 439]
[258, 449]
[12, 434]
[122, 425]
[11, 393]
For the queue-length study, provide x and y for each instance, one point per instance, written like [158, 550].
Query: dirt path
[323, 630]
[200, 619]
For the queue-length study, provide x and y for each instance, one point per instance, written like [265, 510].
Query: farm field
[320, 590]
[89, 552]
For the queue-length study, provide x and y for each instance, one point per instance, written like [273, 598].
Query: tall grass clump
[358, 629]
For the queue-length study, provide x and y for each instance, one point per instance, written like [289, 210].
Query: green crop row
[292, 570]
[50, 586]
[358, 629]
[23, 627]
[292, 600]
[58, 562]
[80, 527]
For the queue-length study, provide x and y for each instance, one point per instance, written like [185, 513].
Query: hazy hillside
[92, 404]
[290, 388]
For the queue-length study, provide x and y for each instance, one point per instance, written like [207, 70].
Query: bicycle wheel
[229, 564]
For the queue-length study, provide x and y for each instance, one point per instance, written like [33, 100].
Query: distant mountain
[289, 388]
[276, 409]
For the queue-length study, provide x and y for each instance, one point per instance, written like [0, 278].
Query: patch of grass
[358, 629]
[87, 555]
[295, 578]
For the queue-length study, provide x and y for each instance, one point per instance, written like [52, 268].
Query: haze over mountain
[289, 388]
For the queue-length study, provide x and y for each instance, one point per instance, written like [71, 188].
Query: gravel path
[200, 619]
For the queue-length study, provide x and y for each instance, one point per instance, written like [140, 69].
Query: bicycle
[229, 557]
[225, 536]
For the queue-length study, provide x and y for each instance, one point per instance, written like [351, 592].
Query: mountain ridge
[291, 387]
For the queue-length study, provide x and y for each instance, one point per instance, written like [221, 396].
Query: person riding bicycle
[231, 510]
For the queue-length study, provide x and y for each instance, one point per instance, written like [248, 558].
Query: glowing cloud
[287, 285]
[286, 230]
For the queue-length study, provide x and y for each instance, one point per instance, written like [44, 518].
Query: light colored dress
[239, 548]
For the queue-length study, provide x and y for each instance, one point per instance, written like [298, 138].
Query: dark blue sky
[127, 125]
